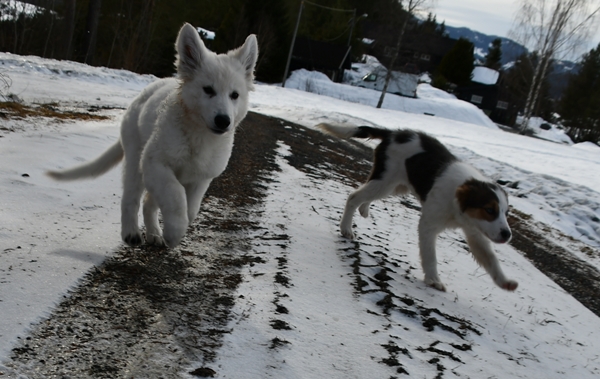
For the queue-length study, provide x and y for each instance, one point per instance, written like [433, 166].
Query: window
[476, 99]
[502, 105]
[370, 78]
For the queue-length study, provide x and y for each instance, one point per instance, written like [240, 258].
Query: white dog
[452, 194]
[176, 137]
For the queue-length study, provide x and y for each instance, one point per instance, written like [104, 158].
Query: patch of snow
[550, 132]
[485, 75]
[206, 34]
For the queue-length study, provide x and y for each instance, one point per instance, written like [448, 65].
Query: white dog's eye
[209, 91]
[489, 211]
[234, 95]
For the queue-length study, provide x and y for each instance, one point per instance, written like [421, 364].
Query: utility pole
[287, 65]
[352, 26]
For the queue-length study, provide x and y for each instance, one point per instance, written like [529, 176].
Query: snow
[332, 336]
[10, 9]
[589, 146]
[52, 233]
[554, 133]
[485, 75]
[435, 102]
[207, 34]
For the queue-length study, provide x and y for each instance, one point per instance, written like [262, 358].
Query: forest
[138, 35]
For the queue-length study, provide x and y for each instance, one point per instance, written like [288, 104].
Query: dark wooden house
[320, 56]
[485, 93]
[419, 52]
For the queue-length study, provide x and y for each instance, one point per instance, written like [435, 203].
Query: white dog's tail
[92, 169]
[351, 131]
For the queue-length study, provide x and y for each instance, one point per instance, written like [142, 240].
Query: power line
[331, 9]
[287, 66]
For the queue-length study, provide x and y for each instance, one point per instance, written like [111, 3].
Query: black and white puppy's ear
[190, 52]
[247, 54]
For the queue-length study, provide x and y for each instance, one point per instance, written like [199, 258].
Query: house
[320, 56]
[419, 52]
[485, 93]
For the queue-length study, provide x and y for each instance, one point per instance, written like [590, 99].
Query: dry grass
[9, 109]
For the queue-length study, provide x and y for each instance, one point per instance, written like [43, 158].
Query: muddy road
[154, 313]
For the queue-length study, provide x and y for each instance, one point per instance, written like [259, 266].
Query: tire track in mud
[382, 275]
[148, 312]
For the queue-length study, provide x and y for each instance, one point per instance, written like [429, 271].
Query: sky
[493, 17]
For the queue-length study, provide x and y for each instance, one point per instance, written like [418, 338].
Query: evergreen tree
[430, 26]
[457, 66]
[580, 105]
[493, 58]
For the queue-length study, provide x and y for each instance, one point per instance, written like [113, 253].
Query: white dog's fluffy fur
[452, 194]
[176, 137]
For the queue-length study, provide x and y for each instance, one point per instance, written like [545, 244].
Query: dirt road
[149, 312]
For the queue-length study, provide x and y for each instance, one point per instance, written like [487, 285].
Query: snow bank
[433, 104]
[545, 130]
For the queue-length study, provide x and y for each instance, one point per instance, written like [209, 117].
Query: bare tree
[411, 7]
[5, 84]
[554, 29]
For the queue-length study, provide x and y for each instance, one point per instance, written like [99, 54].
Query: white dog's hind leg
[371, 190]
[153, 232]
[195, 192]
[130, 203]
[428, 232]
[482, 250]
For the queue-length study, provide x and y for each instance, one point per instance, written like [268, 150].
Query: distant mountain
[510, 49]
[559, 75]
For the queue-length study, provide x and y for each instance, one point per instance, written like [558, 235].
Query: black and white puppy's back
[452, 193]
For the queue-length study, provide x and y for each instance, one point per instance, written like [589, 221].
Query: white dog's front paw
[131, 236]
[435, 283]
[172, 236]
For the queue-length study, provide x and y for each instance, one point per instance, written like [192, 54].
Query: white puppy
[452, 194]
[176, 137]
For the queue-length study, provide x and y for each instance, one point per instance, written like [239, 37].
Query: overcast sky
[493, 17]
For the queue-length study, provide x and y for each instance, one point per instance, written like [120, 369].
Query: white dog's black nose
[222, 121]
[505, 234]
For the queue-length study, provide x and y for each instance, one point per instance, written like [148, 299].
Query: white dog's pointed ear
[190, 51]
[247, 54]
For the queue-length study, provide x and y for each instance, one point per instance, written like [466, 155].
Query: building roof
[484, 75]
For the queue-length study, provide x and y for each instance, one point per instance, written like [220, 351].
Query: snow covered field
[52, 233]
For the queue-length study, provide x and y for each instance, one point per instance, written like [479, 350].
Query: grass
[10, 109]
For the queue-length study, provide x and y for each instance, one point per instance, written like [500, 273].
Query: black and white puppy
[452, 194]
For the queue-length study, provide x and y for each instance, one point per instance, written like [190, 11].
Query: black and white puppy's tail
[351, 131]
